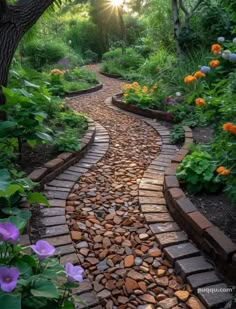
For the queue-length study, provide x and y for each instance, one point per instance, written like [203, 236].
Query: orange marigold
[135, 85]
[145, 89]
[200, 102]
[216, 48]
[214, 63]
[228, 126]
[199, 74]
[189, 79]
[223, 171]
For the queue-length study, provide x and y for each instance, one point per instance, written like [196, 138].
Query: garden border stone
[116, 76]
[150, 113]
[208, 237]
[84, 91]
[56, 166]
[169, 234]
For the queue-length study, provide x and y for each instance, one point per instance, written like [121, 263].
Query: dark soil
[36, 157]
[216, 207]
[219, 210]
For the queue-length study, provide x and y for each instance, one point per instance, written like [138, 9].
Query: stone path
[118, 220]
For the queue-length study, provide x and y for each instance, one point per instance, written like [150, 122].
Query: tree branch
[184, 9]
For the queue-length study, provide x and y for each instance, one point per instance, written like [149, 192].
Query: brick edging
[150, 113]
[54, 167]
[208, 236]
[84, 91]
[116, 76]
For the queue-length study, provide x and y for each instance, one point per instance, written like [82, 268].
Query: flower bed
[117, 101]
[84, 91]
[209, 237]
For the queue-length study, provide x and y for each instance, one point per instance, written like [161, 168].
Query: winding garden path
[117, 216]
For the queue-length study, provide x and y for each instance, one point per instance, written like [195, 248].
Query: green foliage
[67, 141]
[197, 172]
[73, 120]
[43, 52]
[177, 135]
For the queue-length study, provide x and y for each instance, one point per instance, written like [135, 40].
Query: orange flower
[135, 85]
[189, 79]
[214, 63]
[154, 87]
[223, 171]
[200, 102]
[199, 74]
[126, 95]
[230, 127]
[216, 48]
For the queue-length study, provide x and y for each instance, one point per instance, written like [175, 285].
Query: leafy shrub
[73, 120]
[67, 140]
[45, 52]
[198, 172]
[177, 135]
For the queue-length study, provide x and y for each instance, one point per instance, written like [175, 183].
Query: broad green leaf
[36, 197]
[28, 84]
[10, 301]
[44, 288]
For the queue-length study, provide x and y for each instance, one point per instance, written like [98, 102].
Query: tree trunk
[177, 25]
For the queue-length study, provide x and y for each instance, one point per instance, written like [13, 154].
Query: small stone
[104, 294]
[118, 240]
[82, 244]
[123, 300]
[161, 272]
[130, 285]
[129, 261]
[92, 261]
[148, 298]
[142, 285]
[145, 307]
[138, 261]
[168, 303]
[75, 235]
[154, 252]
[102, 265]
[144, 236]
[135, 275]
[182, 295]
[156, 263]
[194, 303]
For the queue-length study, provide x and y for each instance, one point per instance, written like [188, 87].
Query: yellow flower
[145, 89]
[126, 95]
[135, 85]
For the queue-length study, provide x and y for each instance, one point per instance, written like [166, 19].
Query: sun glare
[117, 2]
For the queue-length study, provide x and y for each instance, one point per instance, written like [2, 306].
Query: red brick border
[150, 113]
[54, 167]
[208, 237]
[84, 91]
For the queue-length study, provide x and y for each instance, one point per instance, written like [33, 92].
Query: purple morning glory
[9, 232]
[8, 278]
[205, 69]
[74, 273]
[43, 249]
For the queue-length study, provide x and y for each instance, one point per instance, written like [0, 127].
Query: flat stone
[60, 240]
[154, 208]
[84, 286]
[182, 295]
[57, 203]
[89, 299]
[181, 251]
[135, 275]
[129, 261]
[122, 299]
[57, 230]
[102, 265]
[62, 250]
[213, 296]
[138, 261]
[164, 227]
[92, 260]
[203, 279]
[52, 221]
[52, 212]
[104, 294]
[150, 187]
[194, 303]
[192, 265]
[82, 244]
[131, 285]
[154, 252]
[145, 307]
[171, 238]
[152, 200]
[76, 235]
[69, 177]
[158, 217]
[148, 298]
[61, 183]
[168, 303]
[185, 205]
[156, 194]
[72, 258]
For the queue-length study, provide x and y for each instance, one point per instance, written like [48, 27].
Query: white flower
[220, 39]
[178, 94]
[225, 54]
[234, 40]
[69, 42]
[232, 57]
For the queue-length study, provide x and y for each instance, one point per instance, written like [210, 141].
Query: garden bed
[54, 167]
[203, 231]
[84, 91]
[151, 113]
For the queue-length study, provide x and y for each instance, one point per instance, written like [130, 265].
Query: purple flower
[9, 232]
[43, 249]
[8, 278]
[168, 99]
[74, 273]
[205, 69]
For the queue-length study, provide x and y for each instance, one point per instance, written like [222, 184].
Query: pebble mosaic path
[134, 254]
